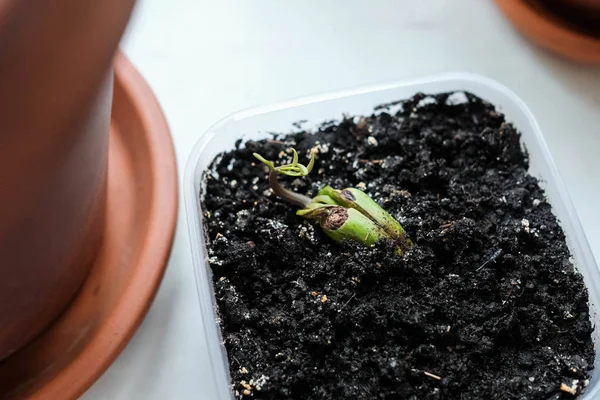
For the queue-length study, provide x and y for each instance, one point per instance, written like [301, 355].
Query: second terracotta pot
[581, 14]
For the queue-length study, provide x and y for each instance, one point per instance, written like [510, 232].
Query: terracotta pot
[590, 7]
[55, 97]
[582, 14]
[550, 24]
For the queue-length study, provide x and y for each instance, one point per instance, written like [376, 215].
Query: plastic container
[256, 123]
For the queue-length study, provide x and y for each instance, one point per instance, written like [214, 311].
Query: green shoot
[347, 214]
[293, 169]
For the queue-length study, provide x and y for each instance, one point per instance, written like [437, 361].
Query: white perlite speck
[372, 141]
[525, 224]
[215, 261]
[260, 382]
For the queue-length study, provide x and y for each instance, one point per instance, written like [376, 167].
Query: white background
[206, 59]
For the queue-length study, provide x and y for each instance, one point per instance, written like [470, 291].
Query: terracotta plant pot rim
[550, 32]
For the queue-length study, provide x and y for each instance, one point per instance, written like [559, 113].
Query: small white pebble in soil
[215, 261]
[361, 186]
[277, 226]
[307, 232]
[230, 165]
[260, 382]
[531, 378]
[268, 192]
[525, 224]
[536, 202]
[572, 389]
[372, 141]
[457, 98]
[233, 183]
[323, 148]
[254, 187]
[243, 370]
[246, 385]
[426, 101]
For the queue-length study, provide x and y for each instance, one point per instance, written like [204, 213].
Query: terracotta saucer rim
[550, 33]
[120, 326]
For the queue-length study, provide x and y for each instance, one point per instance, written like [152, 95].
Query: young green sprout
[347, 214]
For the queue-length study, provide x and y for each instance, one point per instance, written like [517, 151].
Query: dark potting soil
[486, 305]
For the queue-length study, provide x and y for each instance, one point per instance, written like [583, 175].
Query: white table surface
[206, 59]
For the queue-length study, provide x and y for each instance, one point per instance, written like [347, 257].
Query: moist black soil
[486, 305]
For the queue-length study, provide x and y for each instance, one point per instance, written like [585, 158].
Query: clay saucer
[548, 30]
[141, 216]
